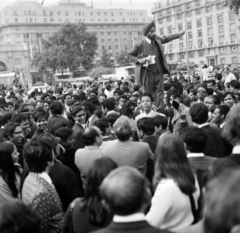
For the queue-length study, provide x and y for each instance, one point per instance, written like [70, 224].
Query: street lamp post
[186, 37]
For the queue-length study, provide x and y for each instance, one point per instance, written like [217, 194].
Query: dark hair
[89, 107]
[236, 84]
[65, 96]
[228, 93]
[199, 113]
[63, 133]
[215, 98]
[44, 96]
[56, 108]
[160, 121]
[126, 111]
[7, 167]
[123, 97]
[19, 118]
[195, 139]
[212, 81]
[147, 94]
[39, 114]
[75, 109]
[122, 128]
[89, 136]
[16, 217]
[111, 118]
[102, 124]
[218, 76]
[109, 104]
[172, 163]
[97, 214]
[37, 153]
[9, 129]
[223, 109]
[24, 107]
[5, 118]
[147, 125]
[33, 94]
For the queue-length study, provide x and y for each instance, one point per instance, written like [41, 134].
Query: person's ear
[235, 229]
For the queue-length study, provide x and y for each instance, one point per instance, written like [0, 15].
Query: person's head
[103, 125]
[234, 85]
[27, 108]
[46, 105]
[149, 30]
[126, 111]
[16, 217]
[38, 155]
[220, 113]
[11, 107]
[92, 136]
[212, 101]
[195, 80]
[231, 128]
[227, 70]
[8, 156]
[21, 119]
[39, 104]
[122, 128]
[122, 100]
[98, 171]
[66, 136]
[13, 132]
[172, 163]
[176, 98]
[229, 99]
[5, 118]
[79, 114]
[45, 97]
[111, 119]
[237, 96]
[218, 76]
[40, 118]
[125, 201]
[222, 214]
[134, 99]
[116, 95]
[211, 84]
[56, 108]
[102, 97]
[202, 92]
[146, 101]
[199, 113]
[161, 124]
[146, 126]
[89, 108]
[194, 138]
[67, 97]
[184, 83]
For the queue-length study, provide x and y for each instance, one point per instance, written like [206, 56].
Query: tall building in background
[25, 23]
[212, 31]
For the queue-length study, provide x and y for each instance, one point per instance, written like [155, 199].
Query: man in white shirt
[229, 76]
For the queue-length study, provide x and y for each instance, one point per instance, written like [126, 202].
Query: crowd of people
[101, 157]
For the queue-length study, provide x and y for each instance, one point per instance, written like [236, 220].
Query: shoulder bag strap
[193, 207]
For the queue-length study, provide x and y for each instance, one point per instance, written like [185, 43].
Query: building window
[231, 16]
[181, 46]
[221, 40]
[209, 31]
[180, 27]
[233, 38]
[210, 41]
[234, 60]
[168, 2]
[170, 57]
[91, 13]
[30, 20]
[103, 47]
[169, 19]
[18, 61]
[188, 14]
[98, 14]
[112, 14]
[79, 13]
[109, 33]
[179, 9]
[105, 13]
[109, 40]
[199, 33]
[190, 44]
[220, 29]
[209, 21]
[219, 6]
[52, 20]
[14, 12]
[189, 35]
[29, 12]
[191, 54]
[115, 33]
[200, 43]
[110, 47]
[16, 20]
[44, 12]
[179, 16]
[59, 13]
[223, 61]
[188, 6]
[160, 21]
[51, 13]
[200, 53]
[45, 20]
[116, 40]
[116, 47]
[199, 23]
[181, 55]
[159, 14]
[170, 48]
[102, 33]
[220, 18]
[59, 20]
[161, 31]
[198, 12]
[66, 13]
[208, 9]
[169, 29]
[189, 25]
[169, 11]
[232, 27]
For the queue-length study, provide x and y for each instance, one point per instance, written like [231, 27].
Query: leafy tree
[106, 60]
[99, 71]
[69, 47]
[123, 59]
[234, 5]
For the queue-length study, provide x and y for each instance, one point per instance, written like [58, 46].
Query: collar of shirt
[202, 125]
[129, 218]
[221, 126]
[148, 40]
[64, 150]
[146, 114]
[83, 125]
[90, 118]
[46, 177]
[236, 149]
[190, 155]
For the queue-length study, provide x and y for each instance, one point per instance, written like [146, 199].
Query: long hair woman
[10, 172]
[88, 214]
[174, 203]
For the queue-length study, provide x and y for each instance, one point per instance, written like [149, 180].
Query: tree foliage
[99, 71]
[123, 59]
[106, 60]
[69, 47]
[234, 5]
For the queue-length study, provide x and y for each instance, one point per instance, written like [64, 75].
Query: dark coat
[78, 136]
[140, 51]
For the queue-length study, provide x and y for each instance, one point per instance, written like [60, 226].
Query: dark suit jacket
[140, 51]
[152, 142]
[131, 227]
[78, 136]
[235, 158]
[53, 120]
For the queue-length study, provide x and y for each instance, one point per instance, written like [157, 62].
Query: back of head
[89, 136]
[222, 213]
[16, 217]
[102, 124]
[111, 118]
[109, 104]
[161, 121]
[122, 128]
[195, 139]
[199, 113]
[64, 133]
[147, 125]
[121, 200]
[56, 108]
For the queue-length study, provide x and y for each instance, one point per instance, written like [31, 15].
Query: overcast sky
[125, 4]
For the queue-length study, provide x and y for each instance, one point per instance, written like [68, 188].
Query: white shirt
[229, 78]
[236, 149]
[191, 155]
[148, 40]
[129, 218]
[46, 177]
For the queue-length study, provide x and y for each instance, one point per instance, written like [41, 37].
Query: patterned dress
[43, 199]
